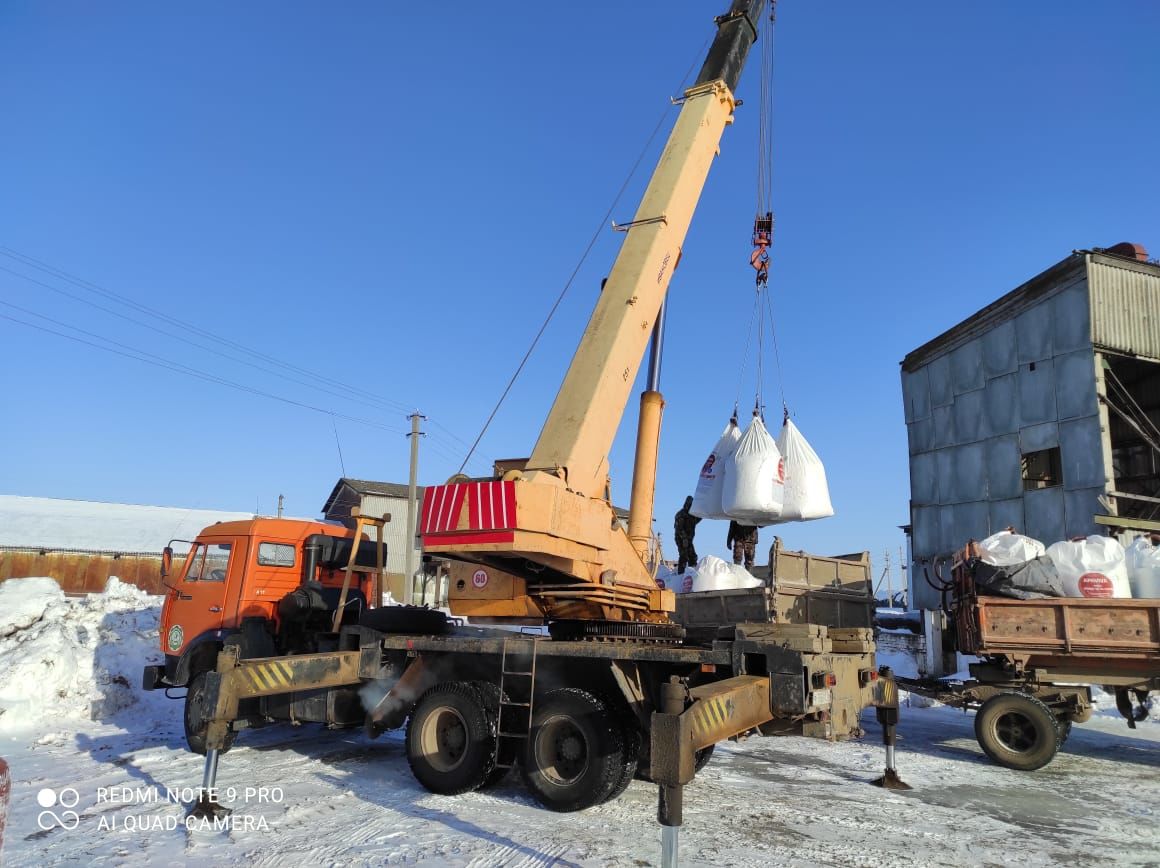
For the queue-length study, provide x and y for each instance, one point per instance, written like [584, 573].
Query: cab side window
[196, 564]
[275, 555]
[217, 562]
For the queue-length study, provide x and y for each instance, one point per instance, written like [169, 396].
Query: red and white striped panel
[492, 505]
[441, 506]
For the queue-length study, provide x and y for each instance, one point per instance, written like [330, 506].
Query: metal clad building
[1016, 416]
[377, 499]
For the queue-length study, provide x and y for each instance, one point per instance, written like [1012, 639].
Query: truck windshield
[209, 563]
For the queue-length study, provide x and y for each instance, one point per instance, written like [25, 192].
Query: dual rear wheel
[578, 752]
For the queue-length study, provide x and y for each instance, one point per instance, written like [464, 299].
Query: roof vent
[1128, 250]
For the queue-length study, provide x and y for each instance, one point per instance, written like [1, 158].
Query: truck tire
[404, 619]
[489, 695]
[1017, 731]
[197, 716]
[450, 741]
[701, 758]
[632, 740]
[575, 751]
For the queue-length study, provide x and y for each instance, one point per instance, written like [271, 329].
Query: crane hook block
[762, 239]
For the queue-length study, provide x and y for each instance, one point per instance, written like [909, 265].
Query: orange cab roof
[275, 528]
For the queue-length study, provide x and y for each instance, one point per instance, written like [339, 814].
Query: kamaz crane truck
[617, 688]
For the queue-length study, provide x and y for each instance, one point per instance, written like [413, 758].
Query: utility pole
[412, 507]
[280, 499]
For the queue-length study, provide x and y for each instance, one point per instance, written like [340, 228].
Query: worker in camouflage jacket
[684, 527]
[743, 540]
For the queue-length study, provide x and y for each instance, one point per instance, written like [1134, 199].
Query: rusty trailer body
[1038, 660]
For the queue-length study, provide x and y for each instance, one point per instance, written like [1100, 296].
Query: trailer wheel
[197, 716]
[450, 741]
[1017, 731]
[575, 751]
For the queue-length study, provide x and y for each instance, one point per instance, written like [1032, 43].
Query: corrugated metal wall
[395, 532]
[1026, 384]
[1125, 306]
[81, 572]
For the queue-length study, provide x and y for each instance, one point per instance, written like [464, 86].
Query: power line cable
[160, 361]
[201, 346]
[89, 286]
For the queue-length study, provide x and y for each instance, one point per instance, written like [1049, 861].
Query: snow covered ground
[341, 799]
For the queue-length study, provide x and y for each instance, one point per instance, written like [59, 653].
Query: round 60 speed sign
[479, 579]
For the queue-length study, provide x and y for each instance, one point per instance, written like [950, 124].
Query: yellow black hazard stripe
[273, 676]
[709, 716]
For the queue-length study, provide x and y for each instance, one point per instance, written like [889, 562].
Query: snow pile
[71, 658]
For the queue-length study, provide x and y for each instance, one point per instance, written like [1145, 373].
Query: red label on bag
[1096, 585]
[781, 471]
[707, 469]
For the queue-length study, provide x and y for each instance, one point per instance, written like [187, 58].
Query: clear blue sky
[393, 198]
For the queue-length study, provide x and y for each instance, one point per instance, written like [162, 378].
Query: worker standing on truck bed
[743, 540]
[684, 527]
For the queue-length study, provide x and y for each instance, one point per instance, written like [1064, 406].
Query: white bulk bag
[1143, 560]
[807, 494]
[1092, 567]
[1007, 549]
[714, 574]
[754, 478]
[707, 495]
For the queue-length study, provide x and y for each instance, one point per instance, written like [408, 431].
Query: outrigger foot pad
[206, 808]
[891, 781]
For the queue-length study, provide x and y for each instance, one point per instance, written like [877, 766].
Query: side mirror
[166, 561]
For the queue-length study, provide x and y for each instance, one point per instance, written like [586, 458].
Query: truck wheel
[701, 758]
[404, 619]
[450, 741]
[633, 740]
[575, 751]
[1017, 731]
[1064, 731]
[490, 694]
[197, 716]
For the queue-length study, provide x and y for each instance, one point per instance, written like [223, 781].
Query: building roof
[51, 523]
[348, 491]
[1022, 297]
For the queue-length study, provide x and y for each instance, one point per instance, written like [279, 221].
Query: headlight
[176, 637]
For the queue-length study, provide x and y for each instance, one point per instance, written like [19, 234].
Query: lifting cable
[762, 237]
[583, 258]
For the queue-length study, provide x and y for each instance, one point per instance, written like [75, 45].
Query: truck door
[202, 599]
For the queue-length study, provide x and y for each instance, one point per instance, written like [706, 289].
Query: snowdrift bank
[71, 658]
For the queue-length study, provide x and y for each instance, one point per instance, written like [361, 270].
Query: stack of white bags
[711, 574]
[758, 481]
[1097, 566]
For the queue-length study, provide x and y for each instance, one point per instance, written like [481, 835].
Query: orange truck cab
[269, 585]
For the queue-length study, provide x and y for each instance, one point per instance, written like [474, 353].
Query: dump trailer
[1038, 659]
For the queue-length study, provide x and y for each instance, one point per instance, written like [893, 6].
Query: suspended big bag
[807, 494]
[754, 478]
[707, 495]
